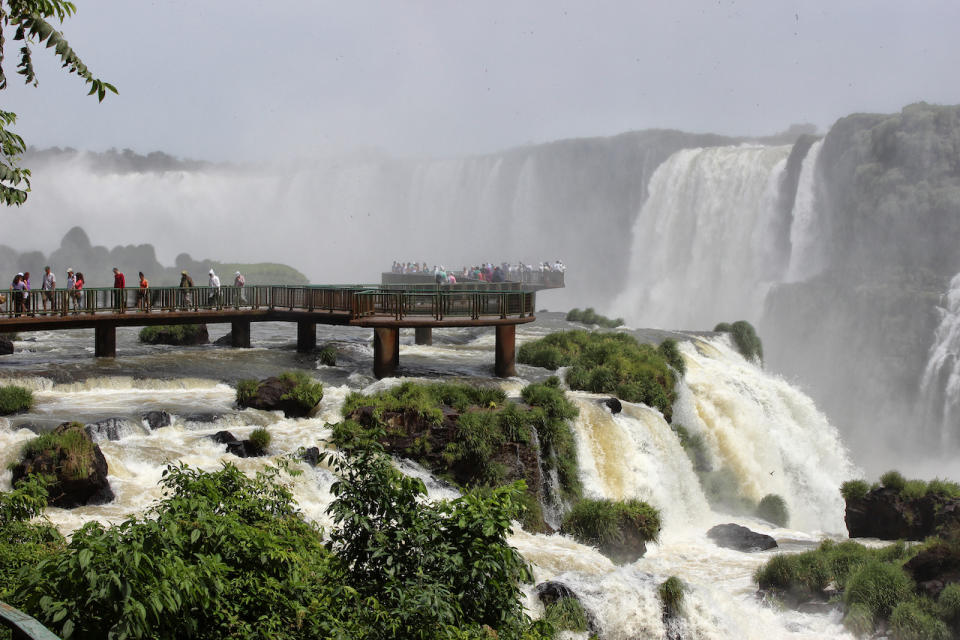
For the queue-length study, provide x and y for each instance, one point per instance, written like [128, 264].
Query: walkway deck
[384, 309]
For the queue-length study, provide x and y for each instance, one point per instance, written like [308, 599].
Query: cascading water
[940, 387]
[701, 242]
[807, 242]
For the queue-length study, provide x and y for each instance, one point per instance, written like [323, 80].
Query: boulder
[311, 456]
[181, 335]
[108, 429]
[6, 346]
[270, 397]
[733, 536]
[885, 514]
[157, 419]
[934, 568]
[614, 405]
[244, 449]
[226, 340]
[223, 437]
[79, 472]
[204, 418]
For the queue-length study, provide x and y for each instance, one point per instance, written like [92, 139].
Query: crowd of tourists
[22, 302]
[486, 272]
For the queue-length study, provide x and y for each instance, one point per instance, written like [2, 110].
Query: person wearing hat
[47, 285]
[214, 284]
[72, 289]
[186, 282]
[239, 281]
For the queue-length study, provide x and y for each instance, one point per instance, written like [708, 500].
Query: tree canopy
[30, 21]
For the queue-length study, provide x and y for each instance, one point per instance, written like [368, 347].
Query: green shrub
[948, 604]
[566, 614]
[603, 522]
[723, 327]
[23, 544]
[943, 488]
[71, 448]
[805, 573]
[893, 480]
[671, 593]
[878, 586]
[14, 399]
[551, 416]
[171, 334]
[327, 356]
[574, 315]
[910, 622]
[914, 489]
[854, 489]
[671, 353]
[773, 508]
[260, 439]
[305, 392]
[858, 620]
[745, 338]
[246, 391]
[589, 316]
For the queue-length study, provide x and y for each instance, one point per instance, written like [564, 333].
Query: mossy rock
[293, 392]
[619, 529]
[175, 334]
[14, 399]
[74, 464]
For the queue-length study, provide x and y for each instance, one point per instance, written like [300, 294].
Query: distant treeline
[97, 262]
[115, 161]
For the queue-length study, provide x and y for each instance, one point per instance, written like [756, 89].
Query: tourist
[47, 285]
[214, 284]
[79, 290]
[143, 301]
[17, 288]
[186, 282]
[26, 290]
[119, 295]
[239, 282]
[71, 289]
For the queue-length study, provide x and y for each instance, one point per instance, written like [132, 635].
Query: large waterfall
[940, 387]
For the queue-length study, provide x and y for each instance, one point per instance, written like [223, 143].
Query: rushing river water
[766, 432]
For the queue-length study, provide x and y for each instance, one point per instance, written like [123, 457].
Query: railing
[22, 626]
[359, 301]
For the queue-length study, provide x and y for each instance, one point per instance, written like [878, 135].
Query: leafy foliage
[671, 353]
[550, 416]
[773, 508]
[14, 399]
[23, 544]
[589, 316]
[305, 392]
[607, 363]
[30, 20]
[745, 338]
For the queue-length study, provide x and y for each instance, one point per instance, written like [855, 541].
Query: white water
[940, 387]
[702, 241]
[752, 422]
[808, 244]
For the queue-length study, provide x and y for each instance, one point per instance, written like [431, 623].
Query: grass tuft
[14, 399]
[260, 440]
[773, 508]
[671, 593]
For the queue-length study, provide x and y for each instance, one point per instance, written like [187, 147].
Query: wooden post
[105, 341]
[505, 363]
[240, 334]
[306, 336]
[423, 335]
[386, 351]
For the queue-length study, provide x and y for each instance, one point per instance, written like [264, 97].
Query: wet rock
[226, 340]
[6, 346]
[885, 514]
[79, 471]
[108, 429]
[551, 592]
[934, 568]
[733, 536]
[181, 335]
[157, 419]
[223, 437]
[244, 449]
[311, 456]
[272, 394]
[205, 418]
[614, 405]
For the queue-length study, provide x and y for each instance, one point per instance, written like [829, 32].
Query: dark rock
[614, 405]
[223, 437]
[173, 334]
[551, 591]
[311, 456]
[205, 418]
[108, 429]
[77, 481]
[934, 568]
[244, 449]
[818, 607]
[6, 346]
[270, 397]
[157, 419]
[225, 340]
[885, 514]
[733, 536]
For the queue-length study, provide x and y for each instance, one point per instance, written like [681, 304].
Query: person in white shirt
[214, 284]
[48, 285]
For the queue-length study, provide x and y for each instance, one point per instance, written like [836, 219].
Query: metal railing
[360, 301]
[22, 626]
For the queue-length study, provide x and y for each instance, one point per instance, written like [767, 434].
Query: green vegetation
[550, 415]
[893, 480]
[911, 621]
[71, 449]
[305, 392]
[23, 544]
[246, 391]
[908, 489]
[224, 555]
[773, 509]
[606, 523]
[745, 338]
[854, 489]
[327, 356]
[671, 593]
[612, 363]
[879, 586]
[14, 399]
[260, 440]
[172, 334]
[693, 446]
[566, 614]
[671, 353]
[591, 317]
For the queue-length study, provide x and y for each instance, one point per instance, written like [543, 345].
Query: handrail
[23, 626]
[359, 301]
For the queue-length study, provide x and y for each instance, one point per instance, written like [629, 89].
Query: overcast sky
[239, 79]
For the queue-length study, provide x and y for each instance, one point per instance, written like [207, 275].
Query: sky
[249, 81]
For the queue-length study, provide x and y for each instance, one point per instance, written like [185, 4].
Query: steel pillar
[423, 335]
[240, 334]
[105, 341]
[506, 352]
[306, 336]
[386, 352]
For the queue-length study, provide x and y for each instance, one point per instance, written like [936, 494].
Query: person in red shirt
[119, 297]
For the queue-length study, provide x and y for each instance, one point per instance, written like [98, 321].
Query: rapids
[767, 432]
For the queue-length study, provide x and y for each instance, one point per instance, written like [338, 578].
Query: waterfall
[940, 385]
[807, 242]
[702, 241]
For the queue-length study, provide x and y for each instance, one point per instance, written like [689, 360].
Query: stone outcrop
[311, 456]
[180, 335]
[884, 513]
[272, 395]
[614, 405]
[157, 419]
[6, 346]
[108, 429]
[79, 472]
[223, 437]
[733, 536]
[934, 568]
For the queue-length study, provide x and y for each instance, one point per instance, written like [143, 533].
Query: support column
[423, 335]
[386, 352]
[240, 334]
[105, 341]
[506, 352]
[306, 336]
